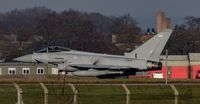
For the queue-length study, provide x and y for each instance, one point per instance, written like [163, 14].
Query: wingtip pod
[152, 48]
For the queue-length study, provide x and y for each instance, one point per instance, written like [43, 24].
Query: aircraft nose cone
[25, 58]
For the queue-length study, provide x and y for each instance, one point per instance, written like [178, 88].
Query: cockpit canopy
[50, 49]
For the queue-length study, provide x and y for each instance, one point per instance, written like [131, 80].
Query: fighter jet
[79, 63]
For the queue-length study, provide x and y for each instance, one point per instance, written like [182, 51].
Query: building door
[54, 71]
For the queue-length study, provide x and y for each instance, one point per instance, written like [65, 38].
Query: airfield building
[175, 65]
[27, 69]
[179, 67]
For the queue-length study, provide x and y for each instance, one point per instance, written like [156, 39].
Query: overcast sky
[142, 10]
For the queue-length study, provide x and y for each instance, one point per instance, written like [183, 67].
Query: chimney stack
[162, 22]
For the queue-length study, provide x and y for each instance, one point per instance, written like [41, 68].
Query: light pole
[166, 65]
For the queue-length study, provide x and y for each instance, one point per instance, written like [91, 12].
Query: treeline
[186, 37]
[40, 27]
[27, 30]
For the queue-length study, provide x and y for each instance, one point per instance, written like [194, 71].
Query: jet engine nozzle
[151, 65]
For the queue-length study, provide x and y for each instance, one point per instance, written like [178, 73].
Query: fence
[99, 94]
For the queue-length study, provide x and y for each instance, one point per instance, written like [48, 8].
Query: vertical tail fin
[152, 49]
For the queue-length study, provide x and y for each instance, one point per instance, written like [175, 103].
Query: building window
[25, 71]
[11, 71]
[158, 75]
[40, 70]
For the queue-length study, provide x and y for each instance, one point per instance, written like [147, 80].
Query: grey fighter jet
[79, 63]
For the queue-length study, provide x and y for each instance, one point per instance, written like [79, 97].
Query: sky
[143, 11]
